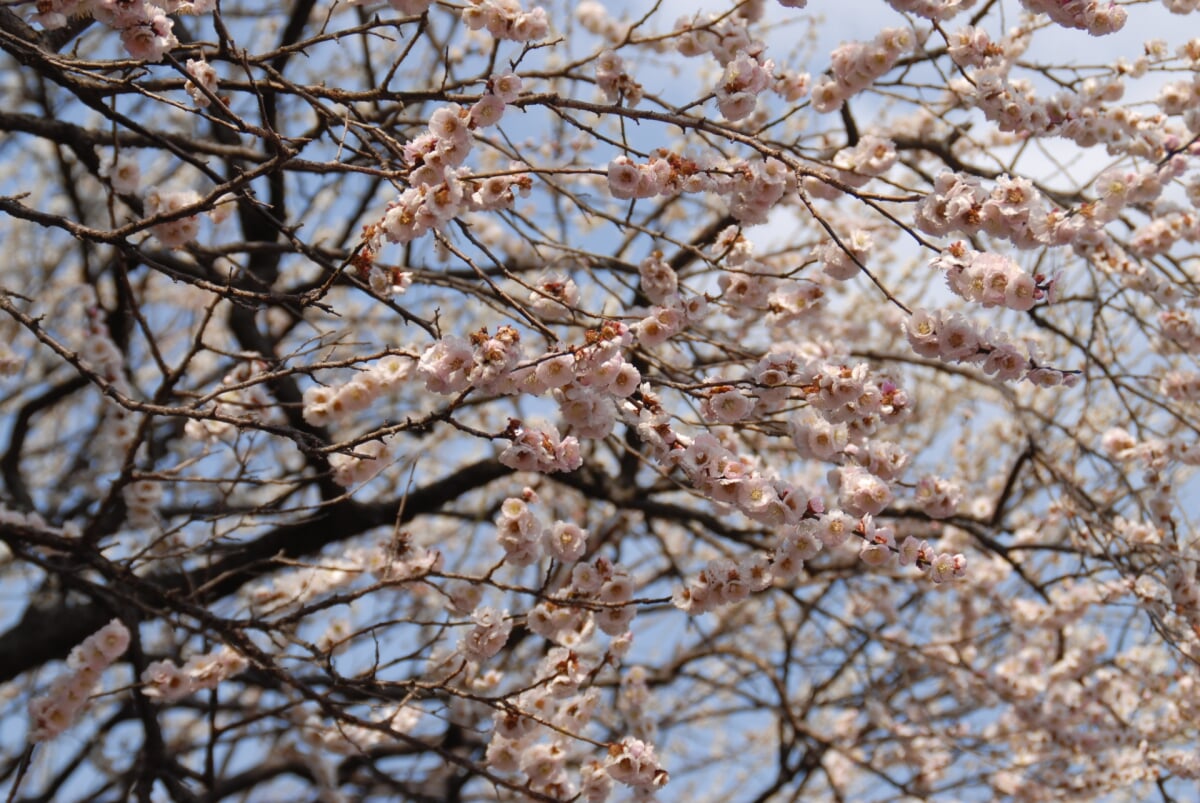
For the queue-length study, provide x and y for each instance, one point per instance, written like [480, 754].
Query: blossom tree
[441, 401]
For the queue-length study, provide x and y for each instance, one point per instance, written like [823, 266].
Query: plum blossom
[540, 449]
[123, 173]
[204, 80]
[504, 19]
[180, 231]
[55, 711]
[488, 636]
[633, 763]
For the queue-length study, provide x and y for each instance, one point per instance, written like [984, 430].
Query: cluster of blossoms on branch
[614, 81]
[505, 19]
[101, 355]
[242, 396]
[125, 177]
[1094, 16]
[203, 84]
[989, 279]
[540, 448]
[750, 187]
[725, 581]
[744, 79]
[167, 681]
[55, 711]
[146, 30]
[440, 187]
[854, 66]
[1013, 210]
[519, 531]
[327, 404]
[561, 701]
[951, 337]
[375, 559]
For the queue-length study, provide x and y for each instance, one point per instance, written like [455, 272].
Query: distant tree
[437, 401]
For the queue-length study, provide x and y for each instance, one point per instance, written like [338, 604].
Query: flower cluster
[725, 581]
[167, 681]
[878, 548]
[614, 81]
[725, 37]
[585, 381]
[556, 705]
[937, 497]
[1162, 232]
[505, 19]
[1094, 16]
[1180, 98]
[246, 398]
[540, 449]
[854, 66]
[1181, 583]
[446, 366]
[727, 478]
[595, 19]
[441, 188]
[1119, 187]
[1178, 330]
[936, 10]
[180, 231]
[54, 712]
[487, 362]
[632, 762]
[366, 461]
[839, 393]
[751, 188]
[519, 531]
[841, 261]
[605, 586]
[203, 83]
[663, 323]
[861, 492]
[564, 622]
[566, 541]
[487, 637]
[559, 701]
[988, 279]
[658, 280]
[325, 404]
[871, 156]
[123, 173]
[970, 46]
[953, 338]
[1084, 116]
[628, 179]
[816, 437]
[615, 592]
[554, 297]
[351, 738]
[1013, 211]
[146, 31]
[101, 354]
[745, 77]
[1180, 385]
[725, 404]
